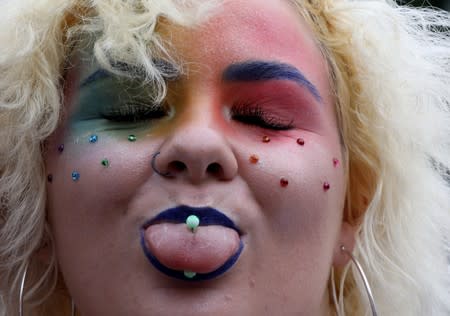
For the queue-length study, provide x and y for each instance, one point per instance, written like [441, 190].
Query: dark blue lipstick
[177, 215]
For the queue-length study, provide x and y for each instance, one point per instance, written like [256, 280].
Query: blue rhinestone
[93, 139]
[75, 176]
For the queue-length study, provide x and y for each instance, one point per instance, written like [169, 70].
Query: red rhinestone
[284, 182]
[335, 162]
[326, 186]
[266, 139]
[301, 141]
[254, 159]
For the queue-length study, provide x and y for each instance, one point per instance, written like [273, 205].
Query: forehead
[248, 30]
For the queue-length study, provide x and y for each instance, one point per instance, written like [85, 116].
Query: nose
[196, 153]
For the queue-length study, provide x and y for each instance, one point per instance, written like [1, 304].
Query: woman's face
[248, 129]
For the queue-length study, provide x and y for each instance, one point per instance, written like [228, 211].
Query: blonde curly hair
[390, 70]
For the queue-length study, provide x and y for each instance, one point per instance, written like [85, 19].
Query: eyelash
[253, 114]
[246, 113]
[138, 111]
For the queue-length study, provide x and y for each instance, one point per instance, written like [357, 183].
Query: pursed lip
[207, 216]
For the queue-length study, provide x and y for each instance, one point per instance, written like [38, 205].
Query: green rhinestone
[189, 274]
[105, 163]
[132, 138]
[192, 222]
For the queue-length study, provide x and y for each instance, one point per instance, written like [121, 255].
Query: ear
[346, 239]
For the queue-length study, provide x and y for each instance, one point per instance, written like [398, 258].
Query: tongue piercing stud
[189, 274]
[192, 222]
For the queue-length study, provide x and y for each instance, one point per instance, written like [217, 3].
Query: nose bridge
[197, 151]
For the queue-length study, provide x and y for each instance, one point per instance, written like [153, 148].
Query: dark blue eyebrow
[255, 70]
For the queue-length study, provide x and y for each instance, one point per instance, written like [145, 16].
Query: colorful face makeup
[75, 176]
[111, 106]
[284, 182]
[105, 163]
[222, 147]
[259, 70]
[301, 141]
[335, 162]
[254, 159]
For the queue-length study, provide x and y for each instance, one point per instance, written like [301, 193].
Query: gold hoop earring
[22, 290]
[364, 279]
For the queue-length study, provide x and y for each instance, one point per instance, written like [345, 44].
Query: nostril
[214, 168]
[177, 166]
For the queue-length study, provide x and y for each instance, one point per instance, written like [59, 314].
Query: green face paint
[120, 105]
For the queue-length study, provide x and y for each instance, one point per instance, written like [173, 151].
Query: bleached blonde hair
[390, 70]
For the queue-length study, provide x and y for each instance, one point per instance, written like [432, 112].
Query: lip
[208, 216]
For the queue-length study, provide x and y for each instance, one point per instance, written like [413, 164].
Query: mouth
[192, 253]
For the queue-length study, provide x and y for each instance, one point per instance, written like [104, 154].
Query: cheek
[97, 179]
[302, 189]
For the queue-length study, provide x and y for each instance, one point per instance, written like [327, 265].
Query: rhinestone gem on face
[326, 186]
[284, 182]
[105, 163]
[75, 176]
[132, 138]
[301, 141]
[266, 139]
[335, 162]
[50, 178]
[93, 139]
[61, 148]
[253, 159]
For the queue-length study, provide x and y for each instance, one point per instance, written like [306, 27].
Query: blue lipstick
[177, 215]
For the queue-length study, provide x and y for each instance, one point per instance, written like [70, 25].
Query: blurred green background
[444, 4]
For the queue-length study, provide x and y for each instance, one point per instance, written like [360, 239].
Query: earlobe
[346, 239]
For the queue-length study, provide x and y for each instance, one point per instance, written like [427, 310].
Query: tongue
[202, 251]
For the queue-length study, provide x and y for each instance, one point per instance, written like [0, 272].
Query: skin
[292, 234]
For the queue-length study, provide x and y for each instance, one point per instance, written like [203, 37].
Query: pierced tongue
[202, 251]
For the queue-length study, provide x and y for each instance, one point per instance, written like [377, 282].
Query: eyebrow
[257, 70]
[170, 71]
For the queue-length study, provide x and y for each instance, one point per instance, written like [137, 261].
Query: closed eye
[255, 115]
[136, 111]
